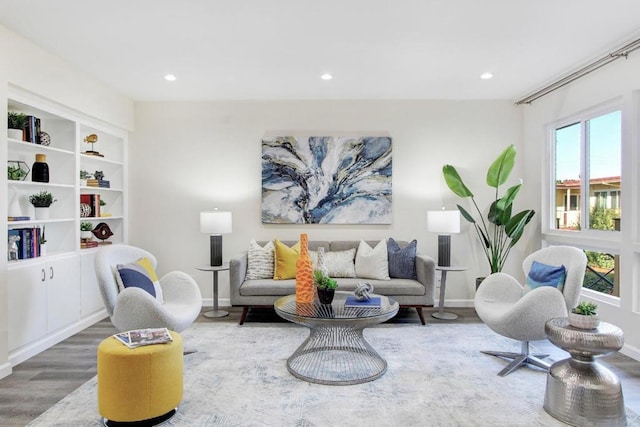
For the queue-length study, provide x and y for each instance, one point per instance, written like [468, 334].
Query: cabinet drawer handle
[50, 272]
[44, 275]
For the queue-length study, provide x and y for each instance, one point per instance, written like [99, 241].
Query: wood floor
[40, 382]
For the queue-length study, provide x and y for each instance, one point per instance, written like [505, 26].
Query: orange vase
[304, 274]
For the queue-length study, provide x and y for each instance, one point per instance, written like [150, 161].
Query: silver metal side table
[441, 314]
[580, 391]
[215, 269]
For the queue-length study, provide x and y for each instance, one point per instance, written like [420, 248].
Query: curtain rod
[622, 52]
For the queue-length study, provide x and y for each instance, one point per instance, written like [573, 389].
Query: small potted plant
[17, 170]
[41, 202]
[16, 122]
[85, 230]
[43, 242]
[84, 176]
[325, 285]
[584, 316]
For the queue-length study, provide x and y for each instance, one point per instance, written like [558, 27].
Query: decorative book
[140, 337]
[353, 302]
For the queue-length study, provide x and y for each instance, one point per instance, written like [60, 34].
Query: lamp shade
[215, 222]
[443, 222]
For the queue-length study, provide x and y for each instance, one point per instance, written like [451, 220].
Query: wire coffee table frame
[336, 352]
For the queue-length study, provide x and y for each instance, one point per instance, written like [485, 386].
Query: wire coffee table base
[336, 356]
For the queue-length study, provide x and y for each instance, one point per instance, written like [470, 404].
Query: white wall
[33, 69]
[617, 81]
[194, 156]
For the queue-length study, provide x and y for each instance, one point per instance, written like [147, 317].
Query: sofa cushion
[402, 261]
[338, 263]
[140, 274]
[260, 260]
[285, 260]
[545, 275]
[372, 263]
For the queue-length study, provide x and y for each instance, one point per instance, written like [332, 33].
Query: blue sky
[605, 141]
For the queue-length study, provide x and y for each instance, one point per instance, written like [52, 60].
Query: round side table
[441, 314]
[215, 269]
[580, 391]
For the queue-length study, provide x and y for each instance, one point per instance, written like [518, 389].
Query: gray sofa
[262, 293]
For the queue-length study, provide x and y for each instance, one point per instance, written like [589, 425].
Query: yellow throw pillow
[285, 260]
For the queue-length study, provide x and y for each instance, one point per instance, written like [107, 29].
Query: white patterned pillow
[338, 263]
[260, 261]
[372, 263]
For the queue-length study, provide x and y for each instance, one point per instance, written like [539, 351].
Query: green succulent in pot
[500, 230]
[586, 308]
[17, 120]
[323, 281]
[43, 199]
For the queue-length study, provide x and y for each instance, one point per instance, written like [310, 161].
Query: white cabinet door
[27, 305]
[91, 299]
[63, 292]
[43, 297]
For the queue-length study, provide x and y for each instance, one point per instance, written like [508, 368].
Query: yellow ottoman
[137, 384]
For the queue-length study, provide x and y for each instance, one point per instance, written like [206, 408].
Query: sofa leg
[245, 310]
[420, 315]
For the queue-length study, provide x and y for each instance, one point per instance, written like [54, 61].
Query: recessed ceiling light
[170, 78]
[326, 76]
[486, 76]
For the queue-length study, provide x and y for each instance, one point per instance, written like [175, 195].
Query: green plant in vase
[43, 199]
[16, 173]
[326, 286]
[500, 230]
[17, 120]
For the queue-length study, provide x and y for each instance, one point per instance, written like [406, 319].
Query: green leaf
[454, 182]
[509, 197]
[501, 167]
[515, 227]
[466, 214]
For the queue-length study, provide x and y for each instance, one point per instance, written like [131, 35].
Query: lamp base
[444, 250]
[216, 250]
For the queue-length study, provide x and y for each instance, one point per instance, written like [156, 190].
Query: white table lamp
[444, 223]
[215, 223]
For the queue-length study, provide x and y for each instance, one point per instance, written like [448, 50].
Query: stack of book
[86, 244]
[18, 218]
[102, 183]
[353, 302]
[140, 337]
[28, 243]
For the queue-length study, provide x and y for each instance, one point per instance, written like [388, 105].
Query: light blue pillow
[545, 275]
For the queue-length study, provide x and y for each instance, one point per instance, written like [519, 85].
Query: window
[588, 163]
[587, 190]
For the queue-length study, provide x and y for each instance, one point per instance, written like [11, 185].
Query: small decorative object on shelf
[362, 291]
[98, 180]
[12, 249]
[43, 241]
[84, 176]
[45, 138]
[92, 139]
[17, 170]
[40, 169]
[41, 201]
[16, 122]
[102, 232]
[584, 316]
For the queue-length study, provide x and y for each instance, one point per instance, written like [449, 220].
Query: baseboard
[26, 352]
[631, 351]
[457, 303]
[222, 302]
[5, 370]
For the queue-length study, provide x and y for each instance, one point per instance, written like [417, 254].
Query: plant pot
[43, 249]
[581, 321]
[15, 134]
[42, 212]
[86, 234]
[325, 296]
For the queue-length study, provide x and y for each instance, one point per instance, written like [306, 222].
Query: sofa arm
[426, 273]
[237, 273]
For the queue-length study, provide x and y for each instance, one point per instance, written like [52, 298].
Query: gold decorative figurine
[92, 139]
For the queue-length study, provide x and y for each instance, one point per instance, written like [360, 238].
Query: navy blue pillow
[402, 261]
[545, 275]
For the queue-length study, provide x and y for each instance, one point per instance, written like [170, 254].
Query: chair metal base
[520, 359]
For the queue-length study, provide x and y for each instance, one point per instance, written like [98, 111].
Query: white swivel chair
[135, 308]
[503, 306]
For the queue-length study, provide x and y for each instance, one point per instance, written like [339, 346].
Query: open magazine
[140, 337]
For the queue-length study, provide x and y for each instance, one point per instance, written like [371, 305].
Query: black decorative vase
[325, 296]
[40, 169]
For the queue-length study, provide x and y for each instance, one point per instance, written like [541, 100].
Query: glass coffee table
[336, 352]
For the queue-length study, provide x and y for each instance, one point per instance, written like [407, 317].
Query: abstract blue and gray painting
[326, 180]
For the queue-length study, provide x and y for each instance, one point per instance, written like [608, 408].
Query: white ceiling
[277, 49]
